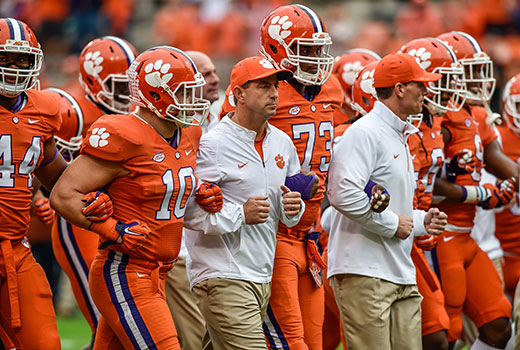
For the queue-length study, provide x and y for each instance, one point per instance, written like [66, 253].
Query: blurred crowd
[227, 30]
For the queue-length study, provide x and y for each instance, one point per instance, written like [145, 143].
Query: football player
[104, 63]
[295, 37]
[145, 162]
[469, 143]
[449, 93]
[29, 120]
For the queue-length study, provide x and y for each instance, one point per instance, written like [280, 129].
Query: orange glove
[426, 242]
[99, 206]
[467, 160]
[126, 236]
[209, 197]
[43, 210]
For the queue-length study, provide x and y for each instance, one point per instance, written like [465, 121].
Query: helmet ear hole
[155, 95]
[273, 48]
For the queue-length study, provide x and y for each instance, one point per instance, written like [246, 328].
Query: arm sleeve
[231, 217]
[418, 223]
[293, 168]
[354, 160]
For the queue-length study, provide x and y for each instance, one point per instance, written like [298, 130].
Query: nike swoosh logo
[31, 121]
[141, 274]
[326, 105]
[396, 155]
[413, 157]
[447, 239]
[240, 166]
[188, 152]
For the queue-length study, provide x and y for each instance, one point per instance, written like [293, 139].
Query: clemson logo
[367, 82]
[421, 56]
[349, 71]
[279, 161]
[278, 27]
[92, 64]
[266, 64]
[156, 73]
[98, 138]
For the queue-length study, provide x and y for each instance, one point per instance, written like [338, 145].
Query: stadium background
[228, 30]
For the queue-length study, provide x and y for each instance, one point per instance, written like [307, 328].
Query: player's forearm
[498, 164]
[68, 205]
[451, 191]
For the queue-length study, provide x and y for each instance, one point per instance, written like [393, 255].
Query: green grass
[74, 332]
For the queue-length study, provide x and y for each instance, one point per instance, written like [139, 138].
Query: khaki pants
[234, 311]
[378, 314]
[188, 320]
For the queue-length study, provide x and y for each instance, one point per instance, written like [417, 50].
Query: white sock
[480, 345]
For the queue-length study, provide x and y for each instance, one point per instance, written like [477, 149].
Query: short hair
[384, 93]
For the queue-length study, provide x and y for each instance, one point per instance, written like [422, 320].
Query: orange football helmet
[17, 37]
[478, 67]
[286, 34]
[68, 138]
[511, 103]
[103, 66]
[348, 65]
[363, 92]
[165, 80]
[448, 93]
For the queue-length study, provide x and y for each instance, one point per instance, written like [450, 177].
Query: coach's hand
[256, 210]
[291, 201]
[435, 221]
[404, 228]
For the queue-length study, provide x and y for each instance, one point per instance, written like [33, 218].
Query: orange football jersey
[508, 220]
[310, 126]
[21, 147]
[426, 148]
[160, 182]
[468, 131]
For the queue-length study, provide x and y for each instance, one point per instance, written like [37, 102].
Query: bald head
[207, 69]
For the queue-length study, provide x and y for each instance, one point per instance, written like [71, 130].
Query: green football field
[74, 332]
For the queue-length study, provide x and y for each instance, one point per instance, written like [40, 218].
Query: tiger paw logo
[266, 64]
[367, 82]
[279, 161]
[157, 73]
[92, 64]
[278, 27]
[98, 138]
[421, 56]
[350, 70]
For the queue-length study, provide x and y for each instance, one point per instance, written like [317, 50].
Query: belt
[12, 282]
[299, 235]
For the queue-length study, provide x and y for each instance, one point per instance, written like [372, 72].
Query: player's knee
[435, 341]
[496, 333]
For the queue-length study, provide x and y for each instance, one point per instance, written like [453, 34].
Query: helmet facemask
[187, 100]
[68, 149]
[324, 63]
[452, 83]
[115, 95]
[479, 77]
[22, 78]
